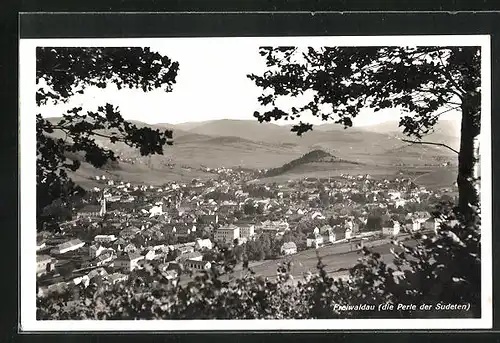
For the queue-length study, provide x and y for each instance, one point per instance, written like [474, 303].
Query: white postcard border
[27, 144]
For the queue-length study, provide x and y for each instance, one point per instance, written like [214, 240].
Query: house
[149, 254]
[390, 228]
[431, 224]
[170, 274]
[44, 264]
[127, 262]
[104, 238]
[104, 258]
[329, 236]
[182, 231]
[400, 203]
[340, 232]
[95, 250]
[314, 240]
[156, 210]
[288, 248]
[195, 255]
[183, 249]
[317, 215]
[197, 264]
[130, 248]
[201, 244]
[227, 234]
[129, 232]
[412, 225]
[65, 247]
[325, 229]
[40, 244]
[421, 216]
[119, 244]
[96, 272]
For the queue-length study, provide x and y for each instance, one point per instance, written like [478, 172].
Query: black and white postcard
[256, 183]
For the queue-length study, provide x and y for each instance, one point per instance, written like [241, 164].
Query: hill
[312, 158]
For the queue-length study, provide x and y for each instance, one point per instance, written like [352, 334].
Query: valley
[199, 147]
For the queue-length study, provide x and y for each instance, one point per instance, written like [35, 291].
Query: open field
[439, 178]
[306, 261]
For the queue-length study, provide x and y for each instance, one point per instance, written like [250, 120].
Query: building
[40, 244]
[183, 249]
[104, 258]
[129, 232]
[127, 262]
[246, 230]
[196, 264]
[90, 210]
[412, 225]
[95, 250]
[170, 274]
[391, 228]
[68, 246]
[288, 248]
[431, 224]
[195, 256]
[340, 233]
[227, 234]
[104, 238]
[149, 254]
[44, 264]
[201, 244]
[314, 240]
[183, 231]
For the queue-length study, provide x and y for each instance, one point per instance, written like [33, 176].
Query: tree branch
[451, 79]
[432, 143]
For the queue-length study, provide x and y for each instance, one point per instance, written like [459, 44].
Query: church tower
[103, 205]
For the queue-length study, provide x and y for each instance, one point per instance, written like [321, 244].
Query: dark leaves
[68, 71]
[348, 79]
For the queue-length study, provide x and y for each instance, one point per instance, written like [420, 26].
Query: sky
[211, 84]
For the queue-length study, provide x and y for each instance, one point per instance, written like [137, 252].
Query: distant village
[121, 228]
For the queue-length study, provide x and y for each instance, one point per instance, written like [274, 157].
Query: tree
[64, 143]
[337, 82]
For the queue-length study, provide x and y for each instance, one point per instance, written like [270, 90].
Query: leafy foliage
[62, 146]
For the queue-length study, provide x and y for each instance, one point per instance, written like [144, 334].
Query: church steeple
[102, 212]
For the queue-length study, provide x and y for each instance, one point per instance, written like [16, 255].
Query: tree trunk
[468, 158]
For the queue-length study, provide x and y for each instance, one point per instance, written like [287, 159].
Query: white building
[156, 210]
[391, 228]
[227, 234]
[201, 244]
[104, 238]
[288, 248]
[314, 240]
[412, 225]
[246, 230]
[68, 246]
